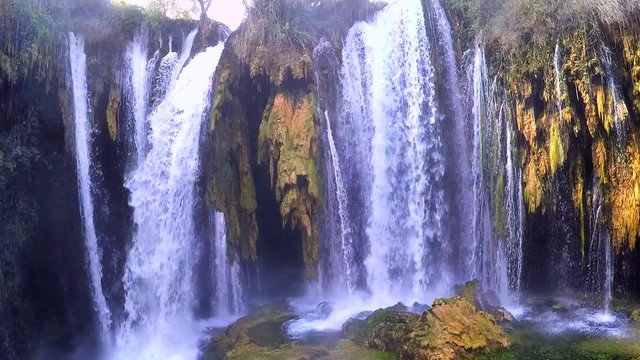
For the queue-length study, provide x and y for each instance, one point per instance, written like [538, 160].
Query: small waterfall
[600, 261]
[498, 208]
[557, 65]
[228, 295]
[615, 99]
[138, 70]
[158, 280]
[83, 141]
[480, 101]
[340, 233]
[515, 211]
[170, 68]
[390, 99]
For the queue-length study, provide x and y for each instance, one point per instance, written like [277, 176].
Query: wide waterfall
[83, 134]
[159, 281]
[387, 82]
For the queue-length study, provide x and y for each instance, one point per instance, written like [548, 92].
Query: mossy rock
[452, 329]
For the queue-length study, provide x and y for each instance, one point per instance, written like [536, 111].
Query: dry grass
[515, 23]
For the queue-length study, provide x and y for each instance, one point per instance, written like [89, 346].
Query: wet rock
[419, 308]
[451, 329]
[398, 307]
[483, 299]
[263, 329]
[354, 329]
[502, 315]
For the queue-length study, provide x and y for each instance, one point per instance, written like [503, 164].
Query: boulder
[502, 315]
[451, 329]
[475, 293]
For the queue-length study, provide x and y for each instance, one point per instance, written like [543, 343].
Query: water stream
[83, 137]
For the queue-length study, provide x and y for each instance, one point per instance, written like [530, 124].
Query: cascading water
[138, 70]
[228, 295]
[600, 261]
[82, 141]
[170, 68]
[339, 228]
[497, 188]
[557, 65]
[395, 110]
[480, 101]
[459, 230]
[515, 211]
[617, 105]
[158, 278]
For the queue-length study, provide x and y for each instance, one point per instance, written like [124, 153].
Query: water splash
[159, 269]
[83, 141]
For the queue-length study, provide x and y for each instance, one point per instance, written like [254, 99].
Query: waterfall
[557, 64]
[600, 261]
[83, 141]
[387, 82]
[170, 68]
[515, 211]
[228, 294]
[498, 207]
[480, 84]
[339, 228]
[138, 70]
[615, 99]
[460, 231]
[158, 279]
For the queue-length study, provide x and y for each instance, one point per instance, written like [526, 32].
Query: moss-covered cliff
[264, 124]
[570, 75]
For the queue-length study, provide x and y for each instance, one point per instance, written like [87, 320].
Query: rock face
[451, 329]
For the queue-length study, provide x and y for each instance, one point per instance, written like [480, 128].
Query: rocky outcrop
[451, 329]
